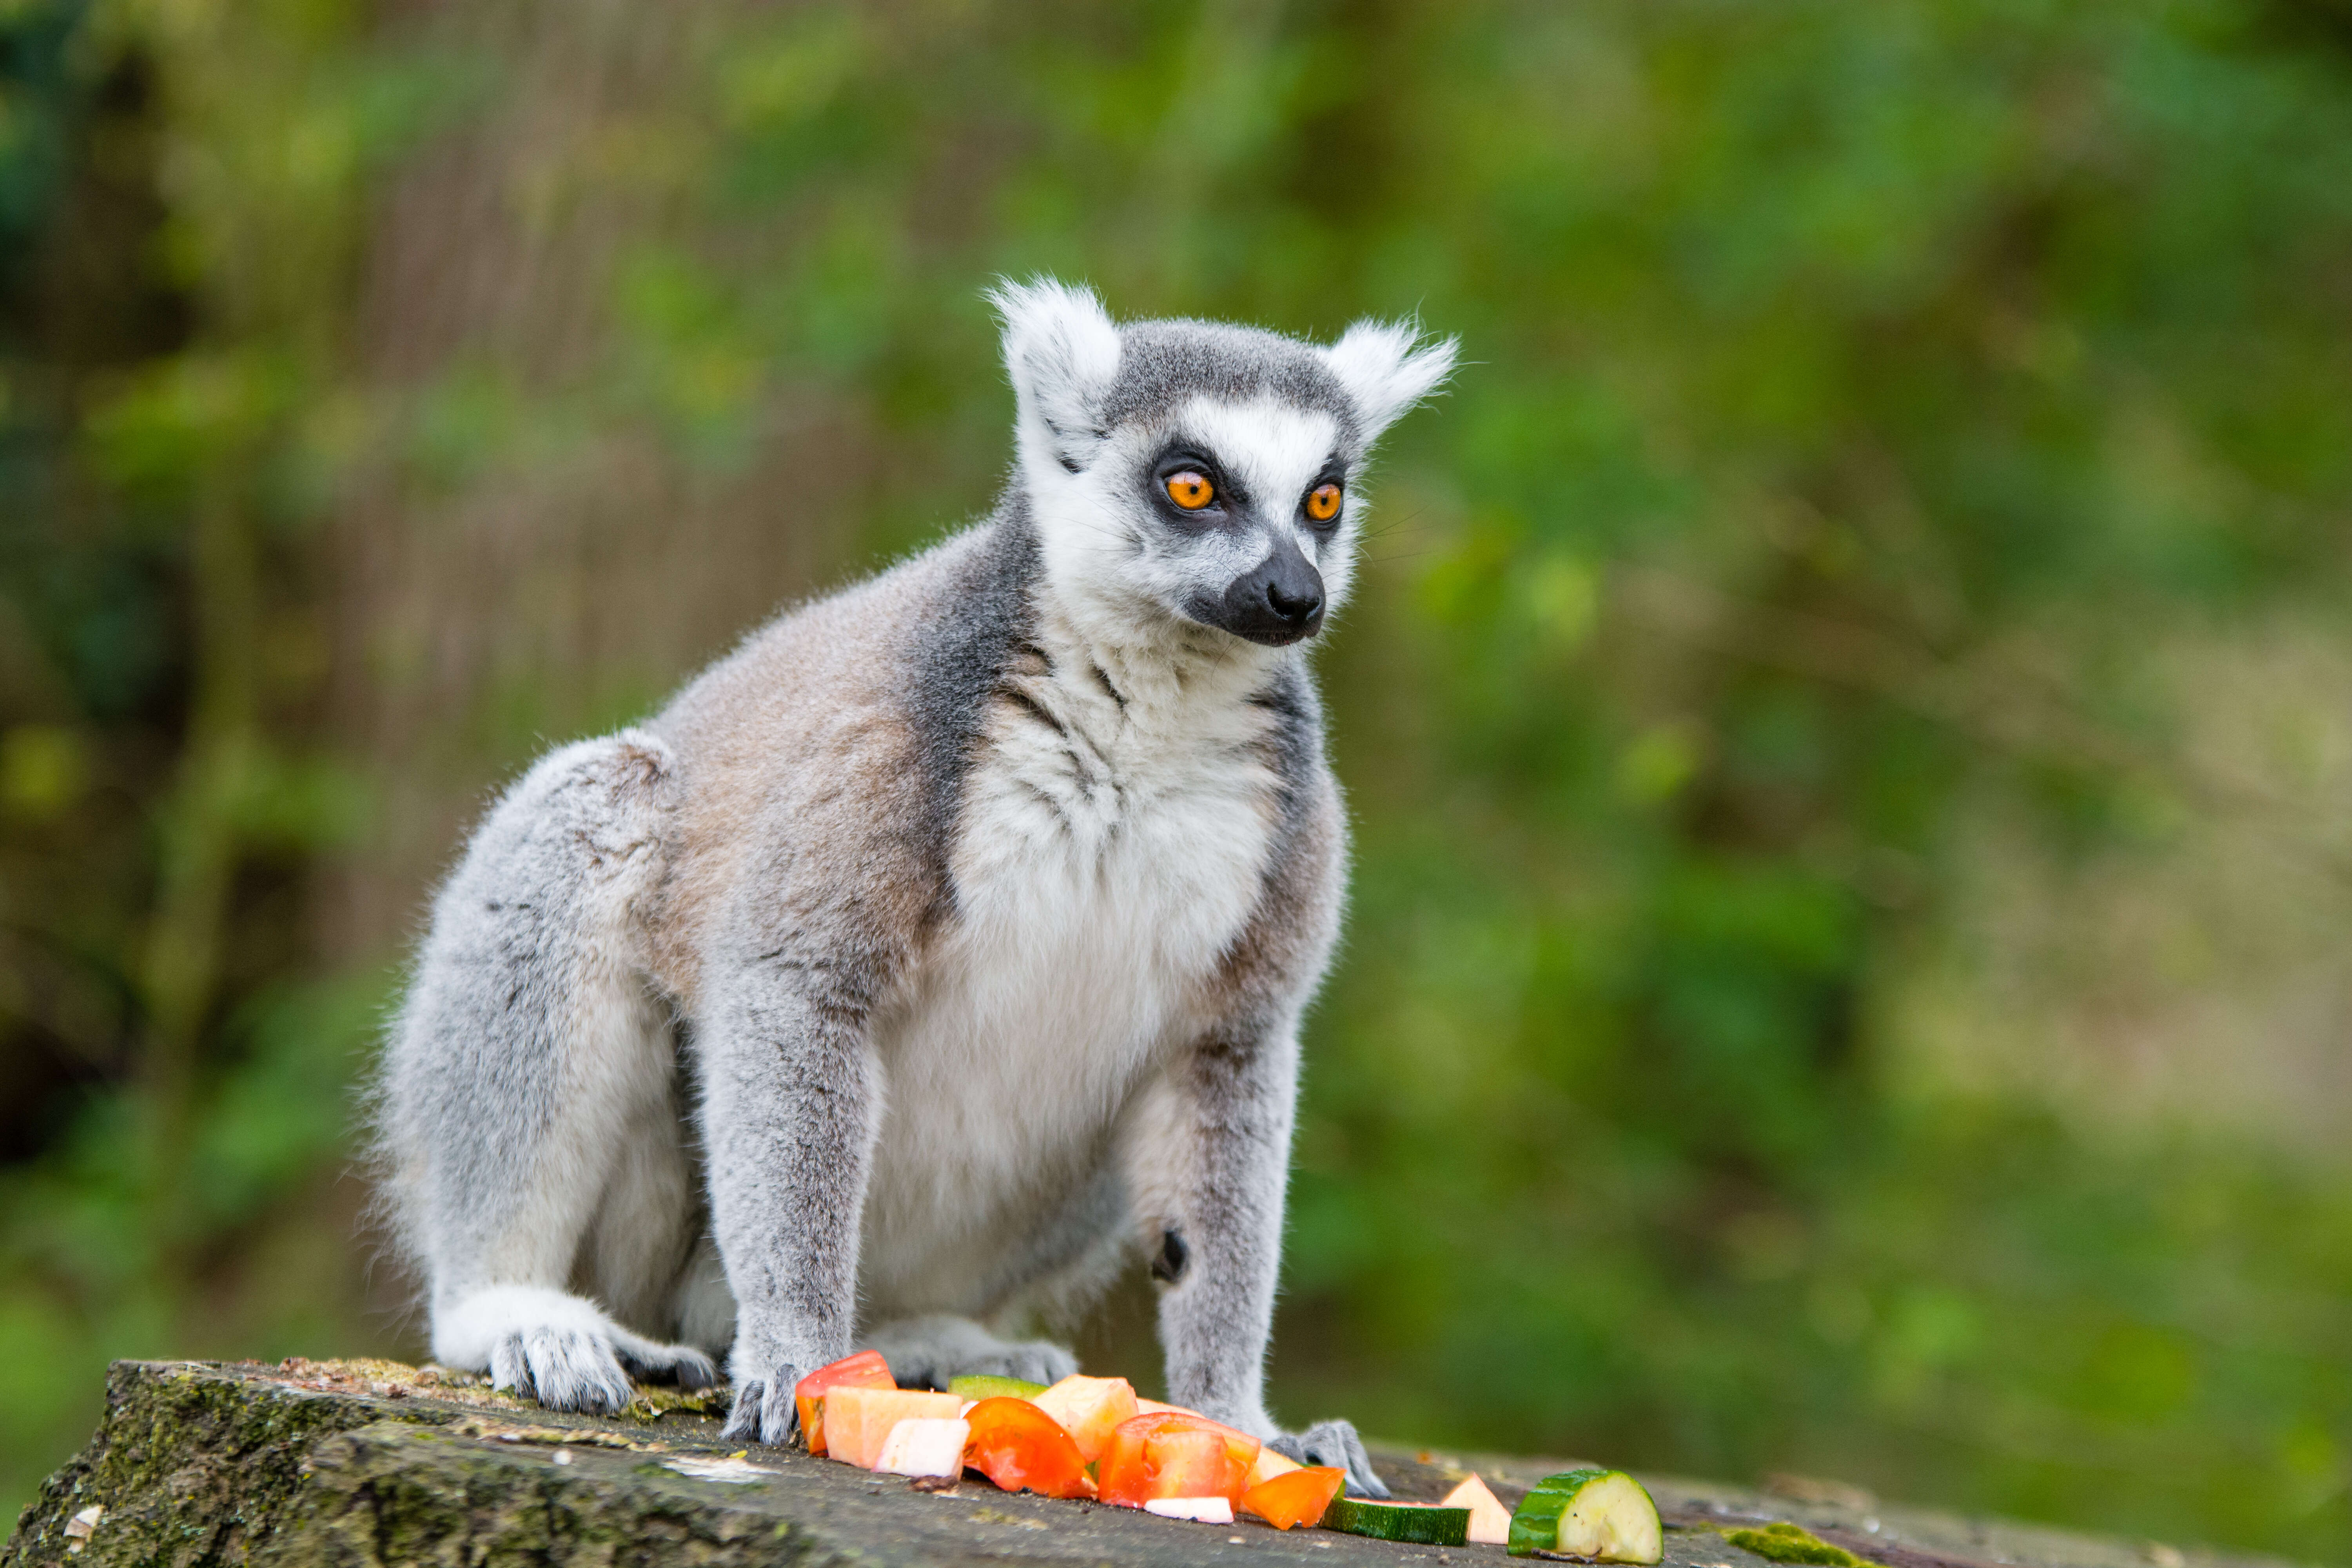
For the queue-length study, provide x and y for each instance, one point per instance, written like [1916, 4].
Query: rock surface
[367, 1463]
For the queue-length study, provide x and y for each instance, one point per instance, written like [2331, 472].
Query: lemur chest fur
[1111, 847]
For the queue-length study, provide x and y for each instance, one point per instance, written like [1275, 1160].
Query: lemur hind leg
[529, 1066]
[926, 1351]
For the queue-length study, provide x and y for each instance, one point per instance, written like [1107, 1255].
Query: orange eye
[1190, 491]
[1323, 502]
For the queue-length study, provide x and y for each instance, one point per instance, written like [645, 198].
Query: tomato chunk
[1271, 1464]
[1170, 1454]
[1265, 1468]
[867, 1369]
[1294, 1497]
[1020, 1448]
[1187, 1463]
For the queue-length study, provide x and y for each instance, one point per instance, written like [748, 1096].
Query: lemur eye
[1190, 491]
[1323, 502]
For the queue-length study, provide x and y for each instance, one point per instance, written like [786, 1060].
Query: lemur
[980, 901]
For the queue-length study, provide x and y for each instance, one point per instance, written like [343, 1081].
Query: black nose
[1277, 604]
[1297, 603]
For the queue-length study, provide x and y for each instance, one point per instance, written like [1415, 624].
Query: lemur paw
[764, 1411]
[1032, 1361]
[743, 1417]
[564, 1369]
[1333, 1443]
[681, 1364]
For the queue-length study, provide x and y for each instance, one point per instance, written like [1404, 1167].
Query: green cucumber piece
[1421, 1523]
[1534, 1523]
[1601, 1514]
[979, 1385]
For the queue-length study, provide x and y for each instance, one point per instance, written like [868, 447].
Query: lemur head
[1198, 473]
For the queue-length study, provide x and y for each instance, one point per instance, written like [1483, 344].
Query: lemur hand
[764, 1411]
[1333, 1443]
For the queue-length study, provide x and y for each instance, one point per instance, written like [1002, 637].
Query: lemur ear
[1387, 369]
[1061, 351]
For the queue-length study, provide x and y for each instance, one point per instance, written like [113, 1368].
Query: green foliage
[1886, 427]
[1784, 1543]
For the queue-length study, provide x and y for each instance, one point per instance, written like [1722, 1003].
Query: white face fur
[1173, 467]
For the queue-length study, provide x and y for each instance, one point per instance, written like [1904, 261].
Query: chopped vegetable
[1270, 1461]
[1188, 1462]
[1019, 1447]
[1171, 1454]
[1271, 1464]
[1207, 1510]
[867, 1369]
[1596, 1513]
[1298, 1495]
[924, 1446]
[1423, 1523]
[1490, 1521]
[857, 1420]
[1091, 1436]
[979, 1385]
[1089, 1409]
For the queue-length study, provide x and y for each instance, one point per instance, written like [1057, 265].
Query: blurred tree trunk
[523, 556]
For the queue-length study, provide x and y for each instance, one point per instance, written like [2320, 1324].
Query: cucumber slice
[979, 1385]
[1423, 1524]
[1601, 1514]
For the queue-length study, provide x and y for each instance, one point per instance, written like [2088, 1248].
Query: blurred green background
[1848, 722]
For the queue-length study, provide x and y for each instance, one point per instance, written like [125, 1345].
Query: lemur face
[1199, 473]
[1239, 513]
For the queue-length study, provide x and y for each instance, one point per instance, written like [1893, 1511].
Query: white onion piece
[924, 1446]
[1205, 1509]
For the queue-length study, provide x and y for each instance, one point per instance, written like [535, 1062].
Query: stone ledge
[374, 1463]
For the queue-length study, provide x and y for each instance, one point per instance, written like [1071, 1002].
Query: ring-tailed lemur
[980, 901]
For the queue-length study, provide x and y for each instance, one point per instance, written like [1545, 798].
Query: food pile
[1091, 1438]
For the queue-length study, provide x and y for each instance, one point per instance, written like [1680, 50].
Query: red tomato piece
[1294, 1497]
[1186, 1462]
[1020, 1448]
[867, 1369]
[1173, 1453]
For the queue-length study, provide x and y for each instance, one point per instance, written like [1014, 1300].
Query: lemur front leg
[1210, 1165]
[791, 1111]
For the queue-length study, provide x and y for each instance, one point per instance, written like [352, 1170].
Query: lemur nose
[1298, 608]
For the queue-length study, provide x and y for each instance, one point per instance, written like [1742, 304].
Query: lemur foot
[1333, 1443]
[580, 1369]
[562, 1368]
[764, 1411]
[560, 1350]
[925, 1353]
[684, 1365]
